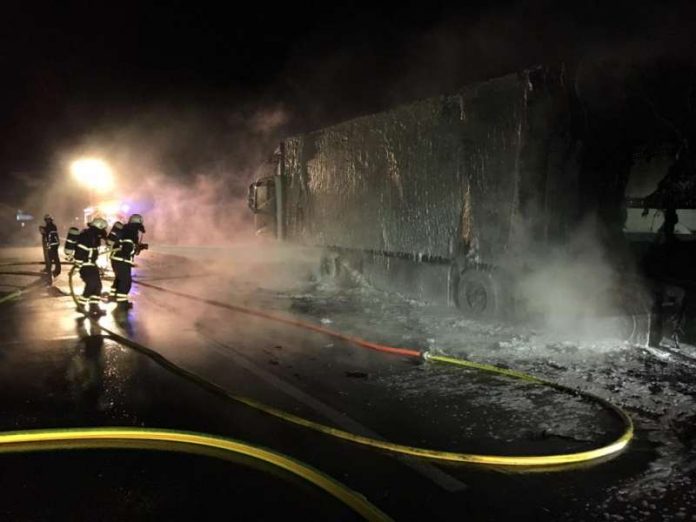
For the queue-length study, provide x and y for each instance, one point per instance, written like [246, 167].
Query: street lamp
[94, 173]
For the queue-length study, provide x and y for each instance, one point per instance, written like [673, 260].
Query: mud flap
[638, 320]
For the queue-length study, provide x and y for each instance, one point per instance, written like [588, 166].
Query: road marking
[41, 340]
[436, 475]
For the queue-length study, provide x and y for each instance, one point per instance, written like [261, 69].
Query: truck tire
[478, 294]
[638, 326]
[339, 269]
[330, 265]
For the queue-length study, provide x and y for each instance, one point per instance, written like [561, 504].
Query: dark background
[75, 69]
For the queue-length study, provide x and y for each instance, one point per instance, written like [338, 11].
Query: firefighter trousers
[123, 280]
[52, 258]
[114, 285]
[93, 286]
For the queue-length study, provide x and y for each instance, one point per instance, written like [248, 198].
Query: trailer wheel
[478, 294]
[637, 324]
[330, 265]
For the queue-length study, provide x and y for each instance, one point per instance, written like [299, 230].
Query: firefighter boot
[95, 311]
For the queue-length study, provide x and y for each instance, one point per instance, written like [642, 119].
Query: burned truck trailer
[457, 199]
[437, 196]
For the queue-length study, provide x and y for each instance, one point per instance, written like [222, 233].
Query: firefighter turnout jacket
[87, 248]
[50, 233]
[126, 246]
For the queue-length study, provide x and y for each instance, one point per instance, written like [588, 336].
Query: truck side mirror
[261, 196]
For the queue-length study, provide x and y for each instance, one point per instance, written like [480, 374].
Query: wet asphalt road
[57, 371]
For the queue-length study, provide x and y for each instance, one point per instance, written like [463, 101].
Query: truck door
[262, 202]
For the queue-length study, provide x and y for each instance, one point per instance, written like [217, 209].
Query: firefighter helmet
[99, 223]
[136, 218]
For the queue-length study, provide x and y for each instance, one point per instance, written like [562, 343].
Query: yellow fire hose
[516, 461]
[180, 441]
[41, 440]
[521, 461]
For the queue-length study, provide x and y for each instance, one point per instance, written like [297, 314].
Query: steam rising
[187, 176]
[206, 211]
[570, 288]
[186, 170]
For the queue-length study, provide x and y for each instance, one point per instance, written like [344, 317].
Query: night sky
[75, 68]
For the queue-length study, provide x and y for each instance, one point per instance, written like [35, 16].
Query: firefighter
[111, 241]
[86, 254]
[123, 258]
[51, 241]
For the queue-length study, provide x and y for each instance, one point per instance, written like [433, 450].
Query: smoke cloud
[569, 288]
[185, 174]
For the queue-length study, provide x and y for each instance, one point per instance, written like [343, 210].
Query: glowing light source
[109, 207]
[94, 173]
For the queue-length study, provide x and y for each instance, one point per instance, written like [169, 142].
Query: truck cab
[265, 197]
[262, 202]
[660, 229]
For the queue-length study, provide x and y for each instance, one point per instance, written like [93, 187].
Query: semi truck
[450, 199]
